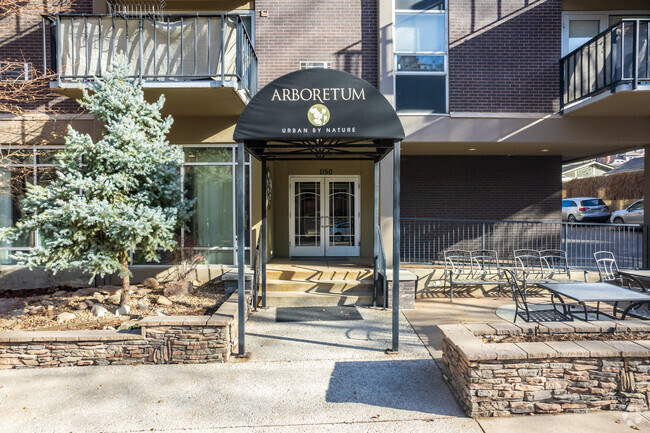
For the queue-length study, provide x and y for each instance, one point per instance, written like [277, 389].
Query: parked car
[633, 214]
[584, 209]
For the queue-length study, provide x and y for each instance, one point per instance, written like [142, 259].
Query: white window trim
[446, 62]
[603, 16]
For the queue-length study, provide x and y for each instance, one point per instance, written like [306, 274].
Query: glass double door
[324, 216]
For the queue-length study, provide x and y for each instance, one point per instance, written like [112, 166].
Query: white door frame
[325, 249]
[601, 16]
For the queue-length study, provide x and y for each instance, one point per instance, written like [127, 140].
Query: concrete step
[302, 299]
[318, 274]
[319, 286]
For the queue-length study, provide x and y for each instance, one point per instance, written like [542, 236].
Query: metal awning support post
[241, 239]
[396, 244]
[263, 234]
[375, 242]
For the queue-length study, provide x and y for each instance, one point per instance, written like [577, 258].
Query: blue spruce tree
[111, 197]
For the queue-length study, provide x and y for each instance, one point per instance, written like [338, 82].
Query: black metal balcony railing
[618, 56]
[162, 48]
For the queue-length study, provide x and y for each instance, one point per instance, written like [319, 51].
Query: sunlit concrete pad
[605, 421]
[334, 340]
[432, 425]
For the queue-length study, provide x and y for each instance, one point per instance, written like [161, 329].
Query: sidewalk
[302, 377]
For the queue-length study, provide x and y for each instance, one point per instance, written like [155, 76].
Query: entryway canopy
[319, 114]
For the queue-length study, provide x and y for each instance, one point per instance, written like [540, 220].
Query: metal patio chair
[528, 268]
[536, 312]
[479, 267]
[608, 272]
[555, 265]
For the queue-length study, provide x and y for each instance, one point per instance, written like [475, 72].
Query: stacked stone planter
[503, 379]
[159, 340]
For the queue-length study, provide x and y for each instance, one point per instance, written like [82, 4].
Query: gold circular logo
[318, 115]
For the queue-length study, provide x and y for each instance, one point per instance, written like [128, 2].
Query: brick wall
[22, 37]
[343, 32]
[504, 55]
[482, 187]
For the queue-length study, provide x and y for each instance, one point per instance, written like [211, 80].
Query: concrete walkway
[322, 376]
[302, 377]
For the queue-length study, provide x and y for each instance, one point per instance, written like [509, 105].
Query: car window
[636, 206]
[593, 202]
[568, 203]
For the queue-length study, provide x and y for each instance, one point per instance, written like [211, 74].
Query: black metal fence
[424, 240]
[156, 48]
[618, 55]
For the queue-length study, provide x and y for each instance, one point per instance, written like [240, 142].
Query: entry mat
[318, 259]
[316, 314]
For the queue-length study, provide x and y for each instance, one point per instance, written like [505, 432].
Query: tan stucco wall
[604, 5]
[198, 130]
[42, 130]
[281, 170]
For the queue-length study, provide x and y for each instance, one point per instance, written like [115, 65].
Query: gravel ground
[41, 309]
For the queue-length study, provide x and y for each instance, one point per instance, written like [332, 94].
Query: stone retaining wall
[503, 379]
[159, 340]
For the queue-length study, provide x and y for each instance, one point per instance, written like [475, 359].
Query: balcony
[610, 74]
[204, 64]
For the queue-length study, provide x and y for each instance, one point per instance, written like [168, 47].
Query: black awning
[321, 114]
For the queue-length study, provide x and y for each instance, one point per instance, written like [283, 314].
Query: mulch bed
[541, 338]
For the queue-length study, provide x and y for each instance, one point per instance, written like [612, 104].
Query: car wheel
[572, 218]
[618, 221]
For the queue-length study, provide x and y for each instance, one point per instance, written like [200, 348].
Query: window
[593, 202]
[421, 56]
[15, 71]
[636, 206]
[208, 176]
[21, 166]
[309, 65]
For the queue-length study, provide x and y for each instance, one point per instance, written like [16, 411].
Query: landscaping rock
[37, 310]
[127, 325]
[85, 291]
[60, 293]
[151, 283]
[64, 317]
[143, 302]
[141, 292]
[99, 310]
[46, 302]
[178, 288]
[160, 312]
[81, 306]
[115, 298]
[163, 301]
[123, 310]
[110, 289]
[17, 313]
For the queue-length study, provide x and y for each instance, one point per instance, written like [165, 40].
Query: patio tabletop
[636, 273]
[595, 292]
